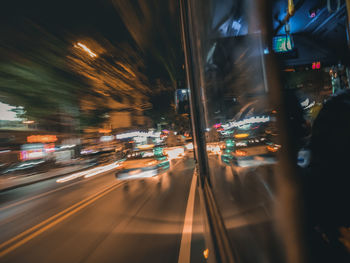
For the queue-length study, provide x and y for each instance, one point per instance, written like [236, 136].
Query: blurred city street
[98, 219]
[174, 131]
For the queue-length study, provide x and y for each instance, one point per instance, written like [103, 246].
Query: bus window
[258, 80]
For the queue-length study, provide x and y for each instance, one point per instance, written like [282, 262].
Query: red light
[49, 147]
[316, 65]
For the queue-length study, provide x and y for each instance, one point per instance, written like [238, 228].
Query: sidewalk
[8, 182]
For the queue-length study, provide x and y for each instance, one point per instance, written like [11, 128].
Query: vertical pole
[196, 106]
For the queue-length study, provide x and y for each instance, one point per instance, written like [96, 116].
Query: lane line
[36, 230]
[185, 245]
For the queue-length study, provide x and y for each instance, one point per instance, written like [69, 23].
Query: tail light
[240, 153]
[273, 148]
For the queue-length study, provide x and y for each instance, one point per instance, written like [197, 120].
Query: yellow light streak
[86, 49]
[241, 135]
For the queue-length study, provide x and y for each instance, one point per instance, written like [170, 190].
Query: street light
[86, 49]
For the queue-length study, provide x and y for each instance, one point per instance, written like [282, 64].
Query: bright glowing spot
[305, 102]
[241, 135]
[236, 25]
[145, 146]
[107, 138]
[251, 120]
[310, 105]
[7, 113]
[214, 148]
[138, 174]
[174, 153]
[89, 173]
[137, 134]
[104, 131]
[67, 146]
[273, 148]
[140, 139]
[240, 153]
[206, 253]
[189, 146]
[86, 49]
[41, 138]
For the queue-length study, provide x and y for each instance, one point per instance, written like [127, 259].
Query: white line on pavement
[185, 245]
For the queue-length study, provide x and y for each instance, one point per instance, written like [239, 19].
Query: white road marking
[89, 173]
[185, 245]
[42, 194]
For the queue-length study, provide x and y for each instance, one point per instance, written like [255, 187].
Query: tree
[62, 87]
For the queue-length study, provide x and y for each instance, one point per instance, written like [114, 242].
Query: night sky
[96, 19]
[76, 17]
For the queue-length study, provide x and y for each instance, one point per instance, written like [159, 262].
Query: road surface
[102, 219]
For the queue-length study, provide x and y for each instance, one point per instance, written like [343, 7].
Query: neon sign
[251, 120]
[41, 138]
[283, 43]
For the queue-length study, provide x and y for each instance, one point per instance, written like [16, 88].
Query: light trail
[89, 173]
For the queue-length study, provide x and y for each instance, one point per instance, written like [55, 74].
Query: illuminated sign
[145, 146]
[104, 131]
[241, 135]
[106, 138]
[32, 155]
[32, 151]
[42, 138]
[137, 134]
[283, 43]
[49, 147]
[251, 120]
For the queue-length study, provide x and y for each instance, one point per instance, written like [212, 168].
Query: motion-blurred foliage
[60, 86]
[155, 27]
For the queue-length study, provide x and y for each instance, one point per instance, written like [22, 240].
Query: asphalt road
[102, 219]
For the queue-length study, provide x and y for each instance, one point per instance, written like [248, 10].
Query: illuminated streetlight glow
[86, 49]
[28, 122]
